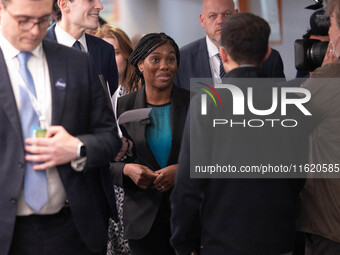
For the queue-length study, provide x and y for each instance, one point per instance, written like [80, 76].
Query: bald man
[200, 59]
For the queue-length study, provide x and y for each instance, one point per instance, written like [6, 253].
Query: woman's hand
[166, 178]
[141, 175]
[329, 56]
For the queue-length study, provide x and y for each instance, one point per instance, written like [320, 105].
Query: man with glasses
[57, 137]
[200, 59]
[76, 16]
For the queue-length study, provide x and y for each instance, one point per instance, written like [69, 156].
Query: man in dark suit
[74, 17]
[56, 196]
[200, 59]
[231, 215]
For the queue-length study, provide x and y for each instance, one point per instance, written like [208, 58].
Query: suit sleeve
[113, 73]
[185, 202]
[117, 173]
[181, 78]
[101, 140]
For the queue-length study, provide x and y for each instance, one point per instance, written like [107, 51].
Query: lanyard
[34, 101]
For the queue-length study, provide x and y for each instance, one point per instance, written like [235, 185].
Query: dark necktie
[35, 182]
[222, 71]
[77, 45]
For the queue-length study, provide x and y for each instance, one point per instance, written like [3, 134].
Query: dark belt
[63, 213]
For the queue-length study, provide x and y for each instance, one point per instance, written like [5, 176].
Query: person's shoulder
[50, 34]
[275, 52]
[193, 46]
[62, 49]
[103, 45]
[273, 57]
[181, 95]
[182, 92]
[328, 71]
[126, 102]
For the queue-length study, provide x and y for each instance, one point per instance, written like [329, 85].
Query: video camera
[309, 53]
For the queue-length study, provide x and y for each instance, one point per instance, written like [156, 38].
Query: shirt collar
[10, 52]
[68, 40]
[212, 48]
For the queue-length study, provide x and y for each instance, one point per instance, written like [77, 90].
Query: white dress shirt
[38, 67]
[214, 61]
[66, 39]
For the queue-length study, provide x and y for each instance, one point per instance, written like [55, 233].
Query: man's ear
[63, 5]
[226, 59]
[269, 51]
[202, 20]
[228, 63]
[224, 56]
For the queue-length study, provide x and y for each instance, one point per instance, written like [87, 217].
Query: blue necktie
[77, 45]
[35, 184]
[222, 71]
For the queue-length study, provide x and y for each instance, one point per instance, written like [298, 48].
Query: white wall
[180, 19]
[139, 16]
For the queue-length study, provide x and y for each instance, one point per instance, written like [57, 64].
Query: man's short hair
[56, 9]
[245, 38]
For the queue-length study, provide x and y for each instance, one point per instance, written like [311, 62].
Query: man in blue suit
[56, 196]
[200, 59]
[74, 17]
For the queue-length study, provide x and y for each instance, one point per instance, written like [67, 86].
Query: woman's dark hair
[145, 47]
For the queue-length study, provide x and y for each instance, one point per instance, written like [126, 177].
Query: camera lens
[309, 54]
[317, 52]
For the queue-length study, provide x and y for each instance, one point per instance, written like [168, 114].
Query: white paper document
[135, 115]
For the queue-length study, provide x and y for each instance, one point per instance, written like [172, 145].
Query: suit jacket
[319, 200]
[102, 54]
[195, 63]
[81, 109]
[140, 206]
[250, 216]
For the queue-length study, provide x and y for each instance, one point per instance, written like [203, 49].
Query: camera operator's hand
[329, 57]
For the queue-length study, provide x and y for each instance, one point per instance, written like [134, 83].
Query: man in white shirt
[73, 18]
[200, 59]
[56, 195]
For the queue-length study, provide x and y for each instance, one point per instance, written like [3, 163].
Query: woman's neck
[156, 96]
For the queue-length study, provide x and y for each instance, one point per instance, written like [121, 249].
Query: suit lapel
[57, 67]
[140, 134]
[7, 99]
[177, 120]
[51, 33]
[203, 59]
[94, 52]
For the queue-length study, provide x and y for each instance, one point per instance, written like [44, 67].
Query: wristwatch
[81, 150]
